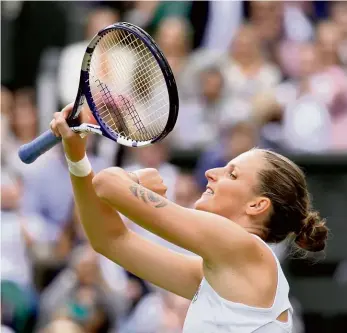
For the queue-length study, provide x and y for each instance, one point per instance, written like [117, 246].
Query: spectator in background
[80, 293]
[320, 126]
[246, 69]
[331, 85]
[72, 55]
[297, 21]
[280, 24]
[174, 37]
[338, 11]
[164, 10]
[269, 107]
[74, 236]
[18, 296]
[15, 264]
[37, 27]
[219, 105]
[7, 101]
[208, 111]
[214, 22]
[158, 312]
[186, 190]
[328, 38]
[222, 20]
[298, 28]
[267, 17]
[17, 291]
[236, 138]
[204, 112]
[309, 64]
[23, 120]
[150, 14]
[23, 125]
[53, 207]
[141, 12]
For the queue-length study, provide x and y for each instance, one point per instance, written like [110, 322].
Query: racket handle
[29, 152]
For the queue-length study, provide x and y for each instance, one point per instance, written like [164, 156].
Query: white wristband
[82, 168]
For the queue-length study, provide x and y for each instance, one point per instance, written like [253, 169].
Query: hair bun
[313, 234]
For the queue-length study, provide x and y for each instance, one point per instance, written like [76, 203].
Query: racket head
[144, 110]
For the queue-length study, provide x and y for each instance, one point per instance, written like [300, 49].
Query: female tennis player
[236, 283]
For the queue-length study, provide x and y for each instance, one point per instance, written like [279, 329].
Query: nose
[211, 174]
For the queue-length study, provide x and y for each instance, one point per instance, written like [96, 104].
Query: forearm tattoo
[147, 196]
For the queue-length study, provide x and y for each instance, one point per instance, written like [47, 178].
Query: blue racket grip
[29, 152]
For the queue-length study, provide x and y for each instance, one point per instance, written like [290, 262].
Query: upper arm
[178, 273]
[211, 236]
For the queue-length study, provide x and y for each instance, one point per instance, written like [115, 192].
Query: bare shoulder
[250, 278]
[238, 244]
[263, 251]
[267, 268]
[248, 253]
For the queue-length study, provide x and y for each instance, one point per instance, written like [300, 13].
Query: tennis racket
[129, 88]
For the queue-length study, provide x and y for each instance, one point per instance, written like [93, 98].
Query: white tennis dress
[210, 313]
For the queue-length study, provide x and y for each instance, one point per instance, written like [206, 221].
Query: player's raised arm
[108, 235]
[211, 236]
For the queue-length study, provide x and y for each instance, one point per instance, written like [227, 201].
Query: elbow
[103, 180]
[98, 246]
[105, 244]
[99, 181]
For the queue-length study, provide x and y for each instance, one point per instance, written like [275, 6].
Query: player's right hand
[74, 145]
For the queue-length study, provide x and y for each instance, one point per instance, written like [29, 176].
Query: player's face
[231, 189]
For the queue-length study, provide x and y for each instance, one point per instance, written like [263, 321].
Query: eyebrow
[232, 166]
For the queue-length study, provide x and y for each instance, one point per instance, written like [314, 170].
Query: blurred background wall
[249, 73]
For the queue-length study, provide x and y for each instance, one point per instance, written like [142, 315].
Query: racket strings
[104, 99]
[144, 49]
[133, 116]
[116, 111]
[153, 77]
[128, 87]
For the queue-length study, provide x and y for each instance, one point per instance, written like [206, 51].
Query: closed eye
[232, 175]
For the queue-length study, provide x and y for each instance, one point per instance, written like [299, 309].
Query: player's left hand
[150, 178]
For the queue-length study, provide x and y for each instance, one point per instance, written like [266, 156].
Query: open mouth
[209, 191]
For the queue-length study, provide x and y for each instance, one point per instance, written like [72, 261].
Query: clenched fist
[150, 178]
[74, 145]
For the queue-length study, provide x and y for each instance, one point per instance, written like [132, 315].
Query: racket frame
[84, 92]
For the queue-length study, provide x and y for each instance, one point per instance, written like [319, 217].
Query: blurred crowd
[249, 73]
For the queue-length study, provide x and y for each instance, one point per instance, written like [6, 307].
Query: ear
[258, 206]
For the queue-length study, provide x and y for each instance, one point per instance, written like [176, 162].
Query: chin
[202, 204]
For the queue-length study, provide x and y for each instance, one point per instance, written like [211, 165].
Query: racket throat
[85, 129]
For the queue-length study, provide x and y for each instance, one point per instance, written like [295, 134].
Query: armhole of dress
[279, 290]
[288, 324]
